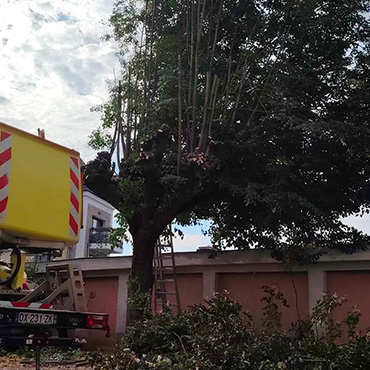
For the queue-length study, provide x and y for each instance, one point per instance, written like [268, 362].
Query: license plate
[36, 318]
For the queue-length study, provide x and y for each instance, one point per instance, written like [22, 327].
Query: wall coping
[201, 258]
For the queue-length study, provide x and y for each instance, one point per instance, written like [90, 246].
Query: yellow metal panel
[39, 189]
[17, 283]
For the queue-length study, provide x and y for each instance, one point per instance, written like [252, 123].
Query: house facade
[97, 222]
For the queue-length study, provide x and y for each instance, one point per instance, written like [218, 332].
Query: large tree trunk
[141, 280]
[142, 259]
[145, 227]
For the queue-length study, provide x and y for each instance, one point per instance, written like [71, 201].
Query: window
[97, 222]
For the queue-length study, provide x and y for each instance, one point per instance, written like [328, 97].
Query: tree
[253, 114]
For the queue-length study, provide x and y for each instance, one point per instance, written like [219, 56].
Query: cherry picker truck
[40, 210]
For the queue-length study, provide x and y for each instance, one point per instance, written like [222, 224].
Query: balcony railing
[98, 234]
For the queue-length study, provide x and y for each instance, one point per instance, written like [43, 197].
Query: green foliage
[132, 193]
[138, 302]
[116, 237]
[277, 152]
[214, 335]
[322, 317]
[165, 341]
[252, 114]
[351, 321]
[271, 314]
[100, 139]
[32, 275]
[119, 234]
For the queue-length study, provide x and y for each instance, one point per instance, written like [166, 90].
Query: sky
[192, 240]
[53, 69]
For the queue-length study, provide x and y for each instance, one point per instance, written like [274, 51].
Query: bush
[217, 335]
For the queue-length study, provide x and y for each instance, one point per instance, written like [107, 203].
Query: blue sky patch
[3, 100]
[61, 17]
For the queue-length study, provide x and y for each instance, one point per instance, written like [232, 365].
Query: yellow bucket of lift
[40, 189]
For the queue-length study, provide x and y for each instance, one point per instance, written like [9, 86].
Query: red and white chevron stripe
[5, 161]
[8, 304]
[74, 208]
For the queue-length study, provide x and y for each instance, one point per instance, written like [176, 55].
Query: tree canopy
[253, 114]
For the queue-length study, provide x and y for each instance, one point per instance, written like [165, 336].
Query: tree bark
[145, 227]
[142, 259]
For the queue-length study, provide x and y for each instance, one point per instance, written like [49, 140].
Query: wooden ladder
[165, 277]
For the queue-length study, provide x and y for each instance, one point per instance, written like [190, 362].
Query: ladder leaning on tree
[165, 277]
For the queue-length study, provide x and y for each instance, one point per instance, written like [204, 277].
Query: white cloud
[190, 242]
[54, 67]
[360, 223]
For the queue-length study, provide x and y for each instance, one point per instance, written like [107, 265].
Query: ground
[13, 362]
